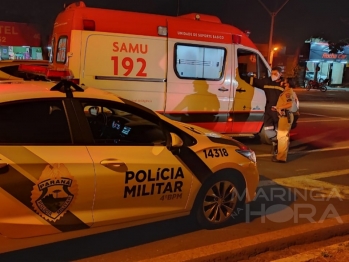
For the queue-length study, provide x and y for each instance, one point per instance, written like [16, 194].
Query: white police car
[73, 158]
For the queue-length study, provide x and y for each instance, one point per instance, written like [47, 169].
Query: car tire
[220, 200]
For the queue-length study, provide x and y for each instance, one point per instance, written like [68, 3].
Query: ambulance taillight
[89, 25]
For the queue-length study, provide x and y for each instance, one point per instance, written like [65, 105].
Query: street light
[271, 56]
[272, 14]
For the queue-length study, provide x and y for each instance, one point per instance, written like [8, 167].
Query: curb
[313, 254]
[239, 249]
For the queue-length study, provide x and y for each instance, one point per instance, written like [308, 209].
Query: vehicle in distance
[85, 158]
[311, 76]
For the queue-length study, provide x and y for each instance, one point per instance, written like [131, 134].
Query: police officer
[272, 87]
[285, 116]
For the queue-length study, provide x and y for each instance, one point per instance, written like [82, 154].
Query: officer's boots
[274, 150]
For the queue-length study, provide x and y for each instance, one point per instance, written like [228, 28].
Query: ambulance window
[113, 125]
[34, 122]
[62, 49]
[251, 64]
[199, 62]
[52, 50]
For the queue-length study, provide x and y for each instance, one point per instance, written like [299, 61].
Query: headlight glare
[248, 153]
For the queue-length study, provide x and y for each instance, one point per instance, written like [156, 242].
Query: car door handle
[113, 164]
[223, 89]
[240, 90]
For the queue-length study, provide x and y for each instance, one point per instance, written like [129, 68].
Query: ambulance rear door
[199, 76]
[130, 66]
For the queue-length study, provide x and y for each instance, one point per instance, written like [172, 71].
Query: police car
[75, 158]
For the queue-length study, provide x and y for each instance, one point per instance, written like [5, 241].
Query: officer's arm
[259, 83]
[253, 81]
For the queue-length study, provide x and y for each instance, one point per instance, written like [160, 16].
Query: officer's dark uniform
[272, 90]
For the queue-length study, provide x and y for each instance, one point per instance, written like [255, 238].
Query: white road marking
[322, 120]
[311, 182]
[309, 151]
[336, 117]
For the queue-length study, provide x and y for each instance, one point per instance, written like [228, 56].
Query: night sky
[297, 21]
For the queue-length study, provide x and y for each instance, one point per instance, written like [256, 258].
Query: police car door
[46, 182]
[137, 176]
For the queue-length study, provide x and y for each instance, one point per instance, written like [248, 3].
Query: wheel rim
[220, 201]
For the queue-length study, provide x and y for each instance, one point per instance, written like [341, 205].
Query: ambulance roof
[126, 22]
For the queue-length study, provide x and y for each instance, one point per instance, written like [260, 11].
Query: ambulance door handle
[223, 89]
[240, 90]
[4, 168]
[113, 164]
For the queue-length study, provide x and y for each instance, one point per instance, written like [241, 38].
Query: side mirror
[176, 141]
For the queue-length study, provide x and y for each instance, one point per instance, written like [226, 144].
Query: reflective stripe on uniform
[274, 87]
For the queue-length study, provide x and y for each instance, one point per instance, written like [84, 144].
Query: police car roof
[20, 90]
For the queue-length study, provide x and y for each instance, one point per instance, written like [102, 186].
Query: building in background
[312, 61]
[320, 64]
[19, 41]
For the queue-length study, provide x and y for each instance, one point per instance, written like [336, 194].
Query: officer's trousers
[283, 136]
[270, 123]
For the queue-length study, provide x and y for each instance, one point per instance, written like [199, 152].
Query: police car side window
[112, 125]
[34, 122]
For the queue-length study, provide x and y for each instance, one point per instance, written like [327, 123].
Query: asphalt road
[311, 187]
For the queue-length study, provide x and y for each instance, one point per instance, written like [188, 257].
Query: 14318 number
[216, 152]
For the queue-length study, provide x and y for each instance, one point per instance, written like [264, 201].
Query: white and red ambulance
[189, 67]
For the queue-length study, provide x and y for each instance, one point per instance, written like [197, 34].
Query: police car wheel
[219, 201]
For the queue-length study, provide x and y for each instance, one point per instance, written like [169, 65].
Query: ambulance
[189, 68]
